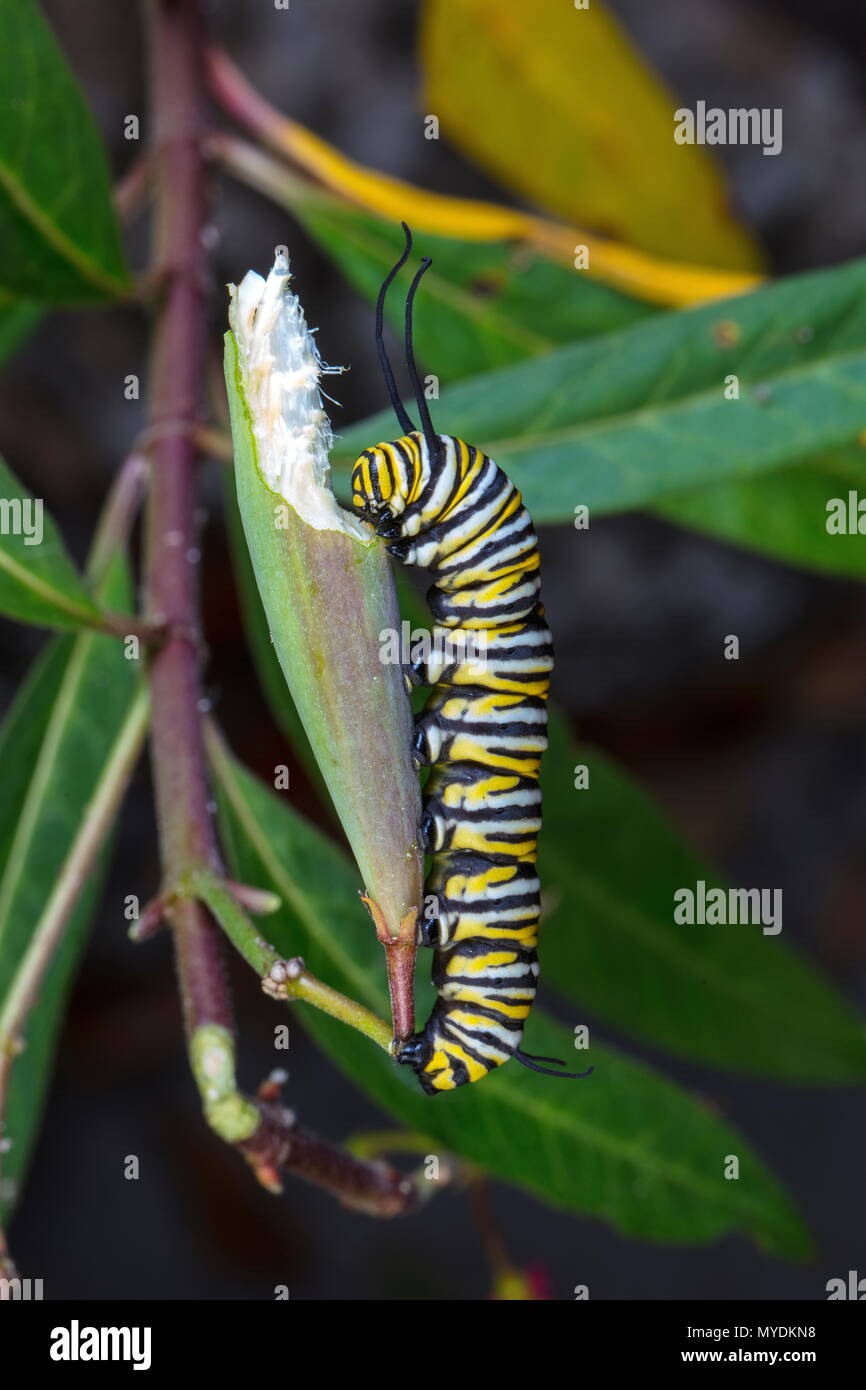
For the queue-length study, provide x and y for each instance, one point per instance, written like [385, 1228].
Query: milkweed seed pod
[328, 594]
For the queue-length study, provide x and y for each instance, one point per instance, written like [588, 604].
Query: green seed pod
[328, 592]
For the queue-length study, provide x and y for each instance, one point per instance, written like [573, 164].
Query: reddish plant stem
[119, 513]
[374, 1188]
[239, 99]
[179, 355]
[132, 193]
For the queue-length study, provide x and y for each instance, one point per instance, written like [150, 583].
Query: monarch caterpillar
[443, 504]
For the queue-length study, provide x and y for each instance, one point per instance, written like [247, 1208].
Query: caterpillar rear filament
[443, 504]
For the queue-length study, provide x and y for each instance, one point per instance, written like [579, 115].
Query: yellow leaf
[555, 102]
[661, 281]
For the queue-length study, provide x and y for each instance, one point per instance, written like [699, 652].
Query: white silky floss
[281, 371]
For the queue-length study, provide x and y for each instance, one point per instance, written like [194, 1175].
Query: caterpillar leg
[429, 932]
[426, 742]
[432, 923]
[428, 833]
[414, 675]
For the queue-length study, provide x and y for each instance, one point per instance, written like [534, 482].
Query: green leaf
[727, 995]
[57, 225]
[484, 304]
[17, 318]
[55, 745]
[624, 1145]
[38, 581]
[639, 416]
[783, 515]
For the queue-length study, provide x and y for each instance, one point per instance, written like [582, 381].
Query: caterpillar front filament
[443, 504]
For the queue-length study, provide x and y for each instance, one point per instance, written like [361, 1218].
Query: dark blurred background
[762, 763]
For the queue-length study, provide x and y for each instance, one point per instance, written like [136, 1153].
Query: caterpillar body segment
[483, 730]
[443, 504]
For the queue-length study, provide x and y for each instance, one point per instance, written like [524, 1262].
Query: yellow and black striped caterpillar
[443, 504]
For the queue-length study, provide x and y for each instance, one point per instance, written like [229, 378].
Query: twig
[112, 534]
[152, 918]
[133, 192]
[494, 1244]
[373, 1188]
[216, 443]
[239, 99]
[267, 173]
[260, 901]
[510, 1284]
[119, 513]
[125, 625]
[281, 979]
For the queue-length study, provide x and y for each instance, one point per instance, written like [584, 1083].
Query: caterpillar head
[380, 484]
[419, 1053]
[442, 1060]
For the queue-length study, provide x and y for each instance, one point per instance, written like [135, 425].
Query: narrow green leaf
[484, 304]
[784, 515]
[635, 417]
[57, 225]
[54, 746]
[38, 581]
[624, 1145]
[728, 995]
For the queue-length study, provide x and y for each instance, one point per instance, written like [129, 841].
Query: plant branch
[179, 355]
[374, 1188]
[133, 191]
[281, 979]
[239, 99]
[118, 515]
[125, 625]
[270, 1139]
[187, 839]
[215, 443]
[266, 173]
